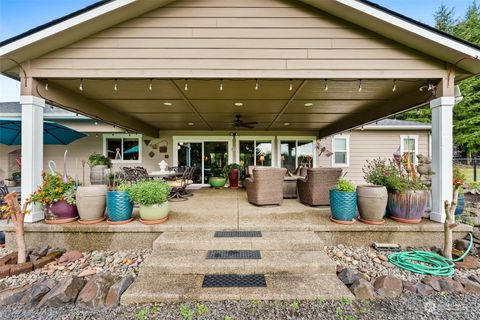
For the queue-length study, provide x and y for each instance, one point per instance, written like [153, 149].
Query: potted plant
[218, 179]
[232, 172]
[152, 196]
[119, 204]
[343, 202]
[98, 164]
[57, 197]
[91, 202]
[17, 177]
[372, 198]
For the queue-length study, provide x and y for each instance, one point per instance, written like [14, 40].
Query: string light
[186, 85]
[290, 87]
[96, 135]
[150, 86]
[46, 85]
[221, 84]
[80, 87]
[430, 85]
[326, 85]
[115, 86]
[51, 108]
[360, 88]
[394, 88]
[256, 84]
[96, 123]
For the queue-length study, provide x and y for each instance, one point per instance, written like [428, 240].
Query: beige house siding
[370, 144]
[217, 35]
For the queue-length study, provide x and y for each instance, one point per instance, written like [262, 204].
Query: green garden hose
[424, 262]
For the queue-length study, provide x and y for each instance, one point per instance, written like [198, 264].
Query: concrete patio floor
[228, 209]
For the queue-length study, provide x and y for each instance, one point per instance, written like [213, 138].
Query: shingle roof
[15, 107]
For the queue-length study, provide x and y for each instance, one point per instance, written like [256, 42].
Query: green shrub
[344, 185]
[149, 192]
[229, 167]
[97, 159]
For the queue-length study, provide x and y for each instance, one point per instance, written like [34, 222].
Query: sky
[17, 16]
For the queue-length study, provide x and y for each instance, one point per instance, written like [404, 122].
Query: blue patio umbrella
[53, 133]
[132, 150]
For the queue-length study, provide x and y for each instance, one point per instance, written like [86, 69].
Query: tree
[466, 114]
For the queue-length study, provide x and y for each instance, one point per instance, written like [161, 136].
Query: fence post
[475, 169]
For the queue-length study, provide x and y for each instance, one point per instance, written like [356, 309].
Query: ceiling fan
[240, 123]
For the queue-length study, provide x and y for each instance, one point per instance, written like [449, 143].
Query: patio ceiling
[168, 106]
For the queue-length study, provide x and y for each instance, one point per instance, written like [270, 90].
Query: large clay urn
[372, 202]
[91, 202]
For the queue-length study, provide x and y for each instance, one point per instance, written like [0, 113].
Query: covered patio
[187, 68]
[211, 210]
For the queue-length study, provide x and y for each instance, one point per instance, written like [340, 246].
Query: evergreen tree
[466, 115]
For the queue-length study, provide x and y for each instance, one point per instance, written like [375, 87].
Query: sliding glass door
[255, 151]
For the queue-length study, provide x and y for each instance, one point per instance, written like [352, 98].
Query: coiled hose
[424, 262]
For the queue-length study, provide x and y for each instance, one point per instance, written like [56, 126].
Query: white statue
[163, 166]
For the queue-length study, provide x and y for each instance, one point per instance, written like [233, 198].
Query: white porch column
[442, 155]
[32, 150]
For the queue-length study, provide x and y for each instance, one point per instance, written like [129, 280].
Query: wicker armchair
[265, 186]
[314, 188]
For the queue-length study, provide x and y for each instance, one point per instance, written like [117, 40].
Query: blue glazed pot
[119, 206]
[343, 205]
[460, 205]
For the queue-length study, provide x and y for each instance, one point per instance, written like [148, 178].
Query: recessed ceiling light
[286, 123]
[238, 104]
[190, 123]
[308, 104]
[167, 104]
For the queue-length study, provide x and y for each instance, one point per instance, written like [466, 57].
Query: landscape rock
[13, 294]
[363, 289]
[432, 282]
[424, 289]
[388, 286]
[461, 244]
[10, 258]
[450, 285]
[5, 270]
[409, 287]
[65, 291]
[94, 293]
[472, 287]
[33, 295]
[348, 276]
[43, 261]
[116, 291]
[474, 278]
[87, 272]
[70, 256]
[43, 251]
[468, 263]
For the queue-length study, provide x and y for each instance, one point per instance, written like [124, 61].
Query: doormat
[238, 234]
[233, 254]
[233, 280]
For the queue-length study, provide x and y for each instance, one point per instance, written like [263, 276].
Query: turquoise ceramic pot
[343, 205]
[119, 206]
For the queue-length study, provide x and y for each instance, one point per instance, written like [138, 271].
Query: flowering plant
[55, 189]
[396, 175]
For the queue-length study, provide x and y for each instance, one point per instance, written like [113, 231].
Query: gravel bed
[374, 264]
[449, 306]
[120, 263]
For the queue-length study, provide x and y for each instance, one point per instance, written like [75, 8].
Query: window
[296, 152]
[340, 147]
[253, 151]
[123, 147]
[409, 146]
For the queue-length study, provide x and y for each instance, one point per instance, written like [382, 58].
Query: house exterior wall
[216, 35]
[370, 144]
[364, 145]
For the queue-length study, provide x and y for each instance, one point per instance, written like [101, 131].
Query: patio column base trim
[442, 155]
[32, 151]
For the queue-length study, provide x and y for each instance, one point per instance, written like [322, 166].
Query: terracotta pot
[233, 178]
[98, 175]
[155, 212]
[407, 206]
[91, 201]
[372, 202]
[61, 210]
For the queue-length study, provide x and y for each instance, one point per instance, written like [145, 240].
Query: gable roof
[394, 124]
[104, 14]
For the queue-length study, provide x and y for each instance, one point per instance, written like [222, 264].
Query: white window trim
[296, 139]
[408, 136]
[347, 138]
[254, 139]
[124, 136]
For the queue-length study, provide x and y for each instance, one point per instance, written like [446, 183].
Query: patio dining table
[165, 174]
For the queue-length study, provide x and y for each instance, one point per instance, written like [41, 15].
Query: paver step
[163, 288]
[271, 262]
[270, 241]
